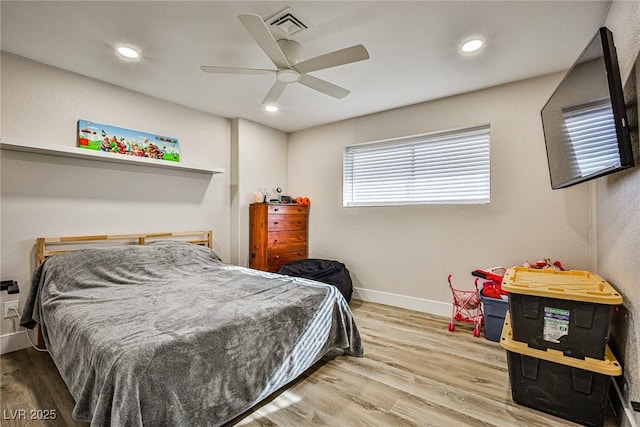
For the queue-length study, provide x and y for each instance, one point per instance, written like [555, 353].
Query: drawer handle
[275, 223]
[275, 241]
[299, 237]
[300, 253]
[275, 210]
[276, 257]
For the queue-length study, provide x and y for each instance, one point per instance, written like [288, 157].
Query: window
[592, 132]
[448, 167]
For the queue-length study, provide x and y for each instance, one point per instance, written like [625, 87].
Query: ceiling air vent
[287, 22]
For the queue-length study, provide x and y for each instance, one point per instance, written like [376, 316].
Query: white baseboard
[411, 303]
[14, 342]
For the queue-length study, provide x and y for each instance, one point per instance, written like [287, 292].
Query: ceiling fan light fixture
[472, 45]
[271, 108]
[288, 76]
[128, 52]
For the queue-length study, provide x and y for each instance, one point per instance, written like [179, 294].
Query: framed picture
[112, 139]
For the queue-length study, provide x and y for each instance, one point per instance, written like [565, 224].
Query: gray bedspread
[165, 334]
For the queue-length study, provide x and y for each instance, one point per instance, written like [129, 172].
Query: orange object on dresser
[303, 201]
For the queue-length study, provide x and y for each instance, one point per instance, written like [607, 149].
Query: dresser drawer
[280, 222]
[276, 260]
[286, 240]
[286, 209]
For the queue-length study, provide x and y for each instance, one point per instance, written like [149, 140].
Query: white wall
[52, 196]
[402, 255]
[260, 157]
[618, 203]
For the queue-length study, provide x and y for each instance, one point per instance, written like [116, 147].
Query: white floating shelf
[102, 156]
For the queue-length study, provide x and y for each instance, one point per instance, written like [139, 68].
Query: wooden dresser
[277, 234]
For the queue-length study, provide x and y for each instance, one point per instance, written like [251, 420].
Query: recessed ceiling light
[128, 52]
[271, 108]
[471, 45]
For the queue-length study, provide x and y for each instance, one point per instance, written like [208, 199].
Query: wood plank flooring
[414, 373]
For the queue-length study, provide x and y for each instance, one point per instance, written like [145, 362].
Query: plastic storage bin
[494, 313]
[568, 311]
[566, 387]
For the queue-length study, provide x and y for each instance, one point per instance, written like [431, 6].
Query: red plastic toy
[489, 275]
[492, 288]
[466, 308]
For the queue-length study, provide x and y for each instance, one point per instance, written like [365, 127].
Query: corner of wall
[618, 234]
[234, 223]
[261, 162]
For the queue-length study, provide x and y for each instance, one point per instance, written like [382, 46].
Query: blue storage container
[494, 312]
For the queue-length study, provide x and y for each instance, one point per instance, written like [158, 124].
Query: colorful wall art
[96, 136]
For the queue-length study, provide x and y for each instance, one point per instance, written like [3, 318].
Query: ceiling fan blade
[333, 59]
[261, 34]
[234, 70]
[274, 93]
[323, 86]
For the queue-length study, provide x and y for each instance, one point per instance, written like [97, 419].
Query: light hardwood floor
[414, 373]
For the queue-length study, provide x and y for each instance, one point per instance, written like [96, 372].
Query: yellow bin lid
[573, 285]
[609, 366]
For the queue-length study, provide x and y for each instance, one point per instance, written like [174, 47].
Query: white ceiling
[413, 49]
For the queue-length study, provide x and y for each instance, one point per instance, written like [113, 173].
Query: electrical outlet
[8, 306]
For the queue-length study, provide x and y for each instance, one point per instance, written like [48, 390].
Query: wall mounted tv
[585, 121]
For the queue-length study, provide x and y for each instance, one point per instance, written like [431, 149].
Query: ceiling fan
[284, 54]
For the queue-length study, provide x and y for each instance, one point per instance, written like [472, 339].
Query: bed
[164, 333]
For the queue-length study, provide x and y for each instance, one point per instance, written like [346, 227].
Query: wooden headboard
[48, 246]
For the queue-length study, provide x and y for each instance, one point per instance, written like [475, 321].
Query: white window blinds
[592, 132]
[451, 167]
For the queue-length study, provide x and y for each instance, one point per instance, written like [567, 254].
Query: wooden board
[45, 245]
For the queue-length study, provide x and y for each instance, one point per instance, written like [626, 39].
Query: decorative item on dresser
[277, 234]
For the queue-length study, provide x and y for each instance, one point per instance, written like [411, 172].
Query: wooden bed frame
[43, 244]
[71, 243]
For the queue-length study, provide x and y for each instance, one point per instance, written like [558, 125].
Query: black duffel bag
[323, 270]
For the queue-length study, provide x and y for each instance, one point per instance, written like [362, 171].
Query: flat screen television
[585, 121]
